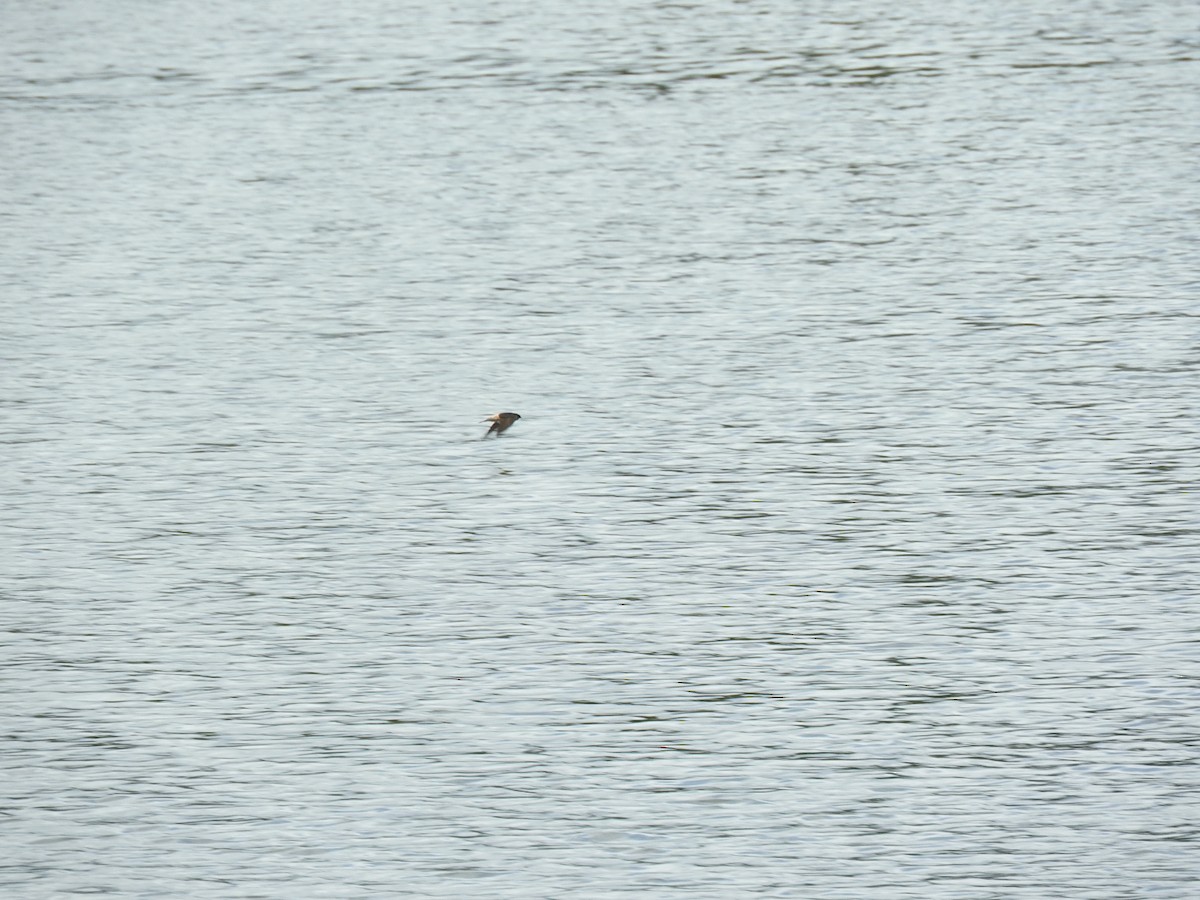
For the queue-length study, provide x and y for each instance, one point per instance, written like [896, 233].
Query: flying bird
[501, 422]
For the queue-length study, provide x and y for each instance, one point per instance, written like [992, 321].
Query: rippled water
[846, 547]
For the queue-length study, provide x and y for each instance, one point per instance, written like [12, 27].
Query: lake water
[847, 546]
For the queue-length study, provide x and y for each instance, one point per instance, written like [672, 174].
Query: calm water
[846, 548]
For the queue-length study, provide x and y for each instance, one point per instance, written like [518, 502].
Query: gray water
[847, 546]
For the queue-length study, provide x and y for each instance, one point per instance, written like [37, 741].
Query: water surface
[845, 548]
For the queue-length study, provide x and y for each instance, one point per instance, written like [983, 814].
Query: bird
[501, 422]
